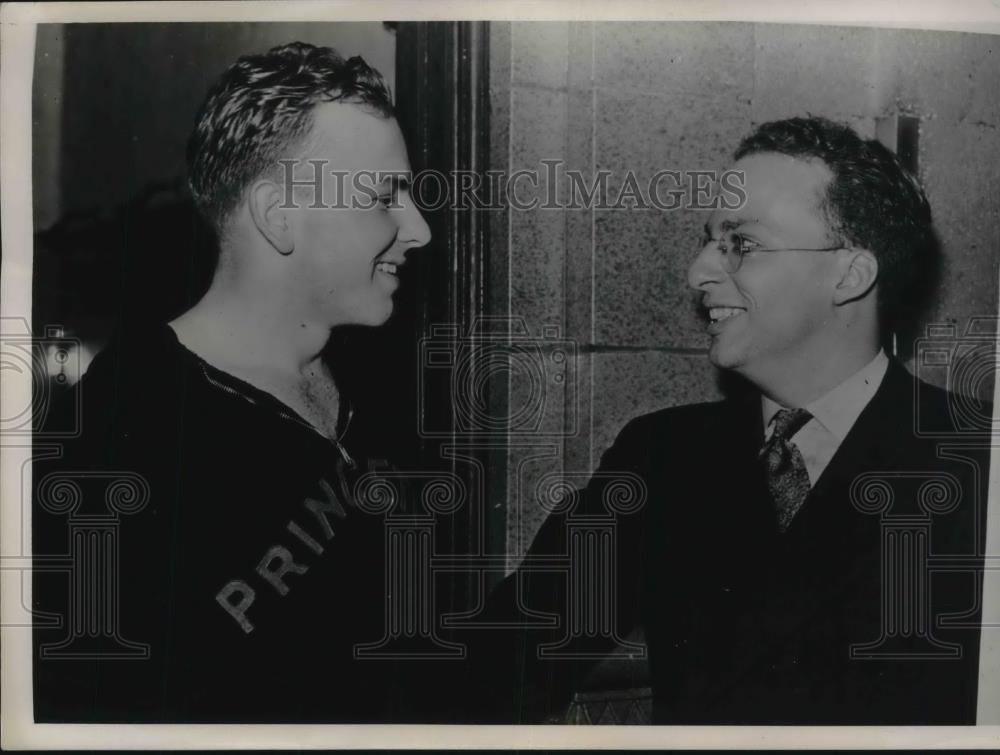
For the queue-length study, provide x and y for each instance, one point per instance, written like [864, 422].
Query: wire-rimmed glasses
[734, 247]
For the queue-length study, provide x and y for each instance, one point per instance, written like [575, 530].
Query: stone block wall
[645, 97]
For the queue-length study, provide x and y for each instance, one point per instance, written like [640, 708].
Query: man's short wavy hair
[260, 110]
[872, 202]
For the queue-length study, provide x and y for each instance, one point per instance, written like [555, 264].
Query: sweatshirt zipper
[348, 459]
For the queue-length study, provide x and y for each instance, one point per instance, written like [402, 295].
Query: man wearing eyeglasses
[810, 550]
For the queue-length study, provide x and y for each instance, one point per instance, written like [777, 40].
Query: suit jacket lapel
[741, 475]
[872, 444]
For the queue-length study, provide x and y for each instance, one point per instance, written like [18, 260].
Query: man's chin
[723, 358]
[376, 322]
[383, 317]
[368, 319]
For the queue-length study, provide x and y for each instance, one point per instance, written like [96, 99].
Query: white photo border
[17, 38]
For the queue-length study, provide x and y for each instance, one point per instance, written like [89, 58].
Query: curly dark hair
[260, 109]
[872, 202]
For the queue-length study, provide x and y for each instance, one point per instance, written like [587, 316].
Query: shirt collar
[838, 409]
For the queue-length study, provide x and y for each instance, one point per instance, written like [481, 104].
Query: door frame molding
[443, 106]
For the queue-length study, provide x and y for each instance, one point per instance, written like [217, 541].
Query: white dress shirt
[833, 415]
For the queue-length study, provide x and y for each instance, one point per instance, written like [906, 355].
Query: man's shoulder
[924, 410]
[681, 424]
[143, 354]
[134, 377]
[677, 418]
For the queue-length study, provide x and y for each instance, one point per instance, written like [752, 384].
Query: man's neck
[803, 378]
[241, 332]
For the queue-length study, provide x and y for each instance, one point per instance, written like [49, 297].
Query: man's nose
[706, 267]
[413, 230]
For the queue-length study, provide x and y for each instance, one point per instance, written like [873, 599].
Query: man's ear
[859, 276]
[272, 221]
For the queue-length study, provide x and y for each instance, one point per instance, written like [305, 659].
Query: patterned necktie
[787, 479]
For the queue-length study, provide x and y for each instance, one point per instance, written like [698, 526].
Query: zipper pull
[346, 456]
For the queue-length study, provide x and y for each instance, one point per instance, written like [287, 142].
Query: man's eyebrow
[731, 224]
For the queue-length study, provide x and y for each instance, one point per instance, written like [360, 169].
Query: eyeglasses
[735, 247]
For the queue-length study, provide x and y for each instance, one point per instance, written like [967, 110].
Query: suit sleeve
[525, 684]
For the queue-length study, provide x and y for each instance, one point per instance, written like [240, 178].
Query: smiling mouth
[722, 314]
[389, 268]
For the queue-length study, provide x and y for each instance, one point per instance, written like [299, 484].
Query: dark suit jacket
[865, 611]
